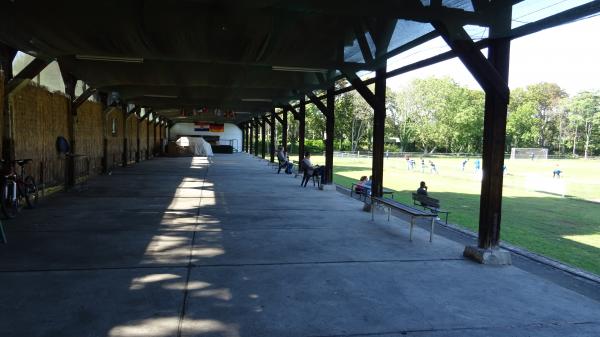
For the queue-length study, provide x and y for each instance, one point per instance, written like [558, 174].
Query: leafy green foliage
[437, 115]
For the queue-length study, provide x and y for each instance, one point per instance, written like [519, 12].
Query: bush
[315, 146]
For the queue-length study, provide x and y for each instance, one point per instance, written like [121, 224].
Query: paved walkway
[178, 247]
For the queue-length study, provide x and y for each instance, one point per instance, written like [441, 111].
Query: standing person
[407, 162]
[422, 165]
[477, 165]
[433, 169]
[464, 163]
[422, 190]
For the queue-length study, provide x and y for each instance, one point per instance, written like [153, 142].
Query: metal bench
[410, 211]
[429, 203]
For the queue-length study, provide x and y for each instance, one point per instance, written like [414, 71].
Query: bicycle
[17, 190]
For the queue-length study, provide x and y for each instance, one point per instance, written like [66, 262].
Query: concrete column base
[494, 256]
[330, 187]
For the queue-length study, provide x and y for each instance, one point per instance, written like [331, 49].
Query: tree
[439, 114]
[352, 118]
[585, 115]
[522, 126]
[545, 99]
[315, 123]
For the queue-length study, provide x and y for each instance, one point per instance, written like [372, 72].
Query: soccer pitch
[534, 214]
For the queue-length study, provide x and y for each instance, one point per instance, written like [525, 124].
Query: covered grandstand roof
[231, 55]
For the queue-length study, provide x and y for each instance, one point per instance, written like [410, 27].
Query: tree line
[437, 115]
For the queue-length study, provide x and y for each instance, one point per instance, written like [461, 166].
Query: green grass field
[564, 228]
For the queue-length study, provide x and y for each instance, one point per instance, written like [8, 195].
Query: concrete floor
[178, 247]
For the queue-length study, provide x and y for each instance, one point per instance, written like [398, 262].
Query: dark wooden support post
[329, 112]
[244, 137]
[148, 137]
[284, 130]
[378, 133]
[377, 102]
[125, 155]
[301, 128]
[330, 130]
[273, 132]
[494, 139]
[7, 55]
[263, 137]
[70, 82]
[127, 115]
[250, 137]
[161, 131]
[255, 122]
[137, 141]
[164, 138]
[492, 75]
[102, 99]
[243, 129]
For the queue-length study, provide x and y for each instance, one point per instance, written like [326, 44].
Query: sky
[568, 55]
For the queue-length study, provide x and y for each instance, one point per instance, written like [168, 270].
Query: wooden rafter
[484, 72]
[83, 97]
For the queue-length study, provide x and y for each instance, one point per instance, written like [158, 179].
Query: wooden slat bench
[365, 192]
[414, 213]
[429, 203]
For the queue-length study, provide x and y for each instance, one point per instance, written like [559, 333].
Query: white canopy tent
[198, 146]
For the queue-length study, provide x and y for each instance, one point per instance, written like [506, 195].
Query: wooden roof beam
[363, 90]
[317, 102]
[83, 97]
[29, 72]
[279, 118]
[291, 109]
[467, 51]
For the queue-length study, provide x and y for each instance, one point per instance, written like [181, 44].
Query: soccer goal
[528, 153]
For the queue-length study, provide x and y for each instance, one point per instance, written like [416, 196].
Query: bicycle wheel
[8, 200]
[31, 192]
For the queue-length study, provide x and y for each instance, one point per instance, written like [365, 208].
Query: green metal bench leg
[2, 234]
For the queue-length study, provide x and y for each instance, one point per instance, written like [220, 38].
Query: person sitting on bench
[360, 186]
[310, 170]
[284, 161]
[422, 190]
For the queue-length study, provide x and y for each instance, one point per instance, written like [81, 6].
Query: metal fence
[369, 154]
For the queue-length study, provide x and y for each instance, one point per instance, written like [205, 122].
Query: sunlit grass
[590, 240]
[567, 229]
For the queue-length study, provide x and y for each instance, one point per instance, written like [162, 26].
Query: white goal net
[528, 153]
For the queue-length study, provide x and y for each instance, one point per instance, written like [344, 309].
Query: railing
[369, 154]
